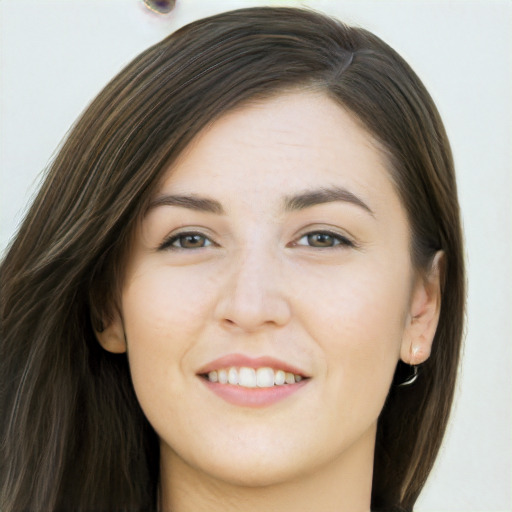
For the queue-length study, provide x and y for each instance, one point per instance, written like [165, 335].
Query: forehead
[281, 146]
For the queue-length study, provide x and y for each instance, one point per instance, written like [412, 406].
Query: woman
[245, 240]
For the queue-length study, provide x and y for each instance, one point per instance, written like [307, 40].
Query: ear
[112, 337]
[423, 315]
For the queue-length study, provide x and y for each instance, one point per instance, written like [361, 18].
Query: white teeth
[247, 377]
[265, 377]
[279, 378]
[233, 376]
[289, 378]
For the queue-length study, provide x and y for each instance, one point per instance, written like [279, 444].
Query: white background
[56, 55]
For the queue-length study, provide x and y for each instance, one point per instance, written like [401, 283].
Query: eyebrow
[324, 195]
[191, 202]
[291, 203]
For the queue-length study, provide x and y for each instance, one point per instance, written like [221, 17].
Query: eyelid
[175, 235]
[344, 240]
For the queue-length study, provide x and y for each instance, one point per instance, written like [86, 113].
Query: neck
[343, 484]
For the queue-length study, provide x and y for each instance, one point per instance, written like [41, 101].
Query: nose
[254, 295]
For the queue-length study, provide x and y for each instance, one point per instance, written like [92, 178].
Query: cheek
[165, 302]
[362, 303]
[164, 311]
[357, 319]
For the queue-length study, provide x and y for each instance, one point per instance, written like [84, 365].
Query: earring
[411, 378]
[405, 374]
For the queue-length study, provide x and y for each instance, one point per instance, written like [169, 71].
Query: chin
[253, 461]
[256, 475]
[247, 462]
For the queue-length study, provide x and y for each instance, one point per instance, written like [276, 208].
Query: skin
[255, 284]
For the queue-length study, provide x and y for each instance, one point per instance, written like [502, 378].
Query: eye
[186, 241]
[324, 239]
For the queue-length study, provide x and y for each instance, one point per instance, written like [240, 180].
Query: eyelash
[168, 243]
[339, 241]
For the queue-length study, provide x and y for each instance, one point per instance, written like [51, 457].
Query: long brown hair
[73, 436]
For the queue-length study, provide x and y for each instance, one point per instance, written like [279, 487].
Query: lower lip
[253, 397]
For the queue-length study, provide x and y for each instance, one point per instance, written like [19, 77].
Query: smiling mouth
[246, 377]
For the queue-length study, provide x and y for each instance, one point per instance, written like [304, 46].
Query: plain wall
[56, 55]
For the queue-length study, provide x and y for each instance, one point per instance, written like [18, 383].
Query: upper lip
[241, 360]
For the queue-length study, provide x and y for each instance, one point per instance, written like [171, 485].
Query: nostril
[229, 324]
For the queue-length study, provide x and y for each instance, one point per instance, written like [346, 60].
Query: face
[276, 248]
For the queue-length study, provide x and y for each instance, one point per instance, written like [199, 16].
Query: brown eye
[186, 241]
[192, 241]
[321, 239]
